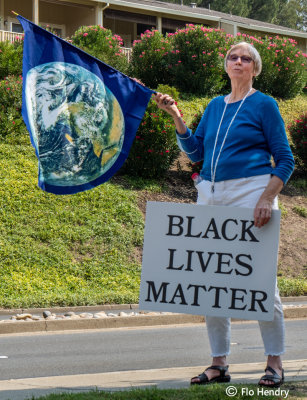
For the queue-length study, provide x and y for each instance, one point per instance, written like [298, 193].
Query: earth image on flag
[76, 122]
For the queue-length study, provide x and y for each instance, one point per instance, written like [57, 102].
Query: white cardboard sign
[209, 260]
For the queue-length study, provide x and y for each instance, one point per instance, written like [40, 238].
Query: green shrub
[292, 108]
[298, 133]
[301, 211]
[101, 43]
[283, 66]
[196, 166]
[148, 62]
[171, 91]
[292, 286]
[155, 146]
[283, 209]
[196, 61]
[11, 122]
[301, 184]
[196, 120]
[11, 58]
[192, 104]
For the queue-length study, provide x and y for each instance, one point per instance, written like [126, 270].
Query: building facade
[130, 18]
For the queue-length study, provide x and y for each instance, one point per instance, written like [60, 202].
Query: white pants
[244, 192]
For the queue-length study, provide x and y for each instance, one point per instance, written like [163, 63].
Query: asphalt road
[86, 352]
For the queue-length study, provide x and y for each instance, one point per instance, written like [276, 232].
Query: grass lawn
[295, 390]
[73, 249]
[80, 249]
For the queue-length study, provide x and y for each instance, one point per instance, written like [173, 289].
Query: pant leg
[219, 335]
[273, 332]
[219, 328]
[242, 193]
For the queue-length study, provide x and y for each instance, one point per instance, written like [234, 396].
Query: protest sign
[209, 260]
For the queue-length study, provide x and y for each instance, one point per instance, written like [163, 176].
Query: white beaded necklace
[213, 167]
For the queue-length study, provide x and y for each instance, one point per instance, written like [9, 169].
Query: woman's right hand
[167, 103]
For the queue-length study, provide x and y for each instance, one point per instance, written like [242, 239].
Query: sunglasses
[244, 59]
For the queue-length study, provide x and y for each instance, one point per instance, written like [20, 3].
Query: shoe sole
[213, 380]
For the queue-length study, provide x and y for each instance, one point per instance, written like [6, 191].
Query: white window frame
[10, 22]
[55, 26]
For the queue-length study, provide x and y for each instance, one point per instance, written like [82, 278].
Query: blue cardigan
[257, 133]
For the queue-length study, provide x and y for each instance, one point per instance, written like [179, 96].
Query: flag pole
[15, 13]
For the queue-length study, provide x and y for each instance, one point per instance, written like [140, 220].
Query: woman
[236, 138]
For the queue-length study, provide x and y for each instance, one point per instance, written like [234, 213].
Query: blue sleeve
[193, 145]
[274, 131]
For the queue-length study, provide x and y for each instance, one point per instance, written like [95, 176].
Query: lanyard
[213, 167]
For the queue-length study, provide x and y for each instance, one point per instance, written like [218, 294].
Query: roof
[204, 13]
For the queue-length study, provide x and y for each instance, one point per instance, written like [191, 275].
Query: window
[54, 28]
[13, 25]
[16, 28]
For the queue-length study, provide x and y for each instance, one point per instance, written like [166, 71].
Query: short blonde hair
[251, 51]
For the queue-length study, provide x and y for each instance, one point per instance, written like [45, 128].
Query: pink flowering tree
[283, 66]
[11, 58]
[149, 59]
[192, 60]
[298, 135]
[196, 60]
[155, 147]
[11, 122]
[102, 44]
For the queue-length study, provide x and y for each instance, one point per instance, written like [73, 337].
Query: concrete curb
[99, 323]
[109, 307]
[56, 310]
[121, 322]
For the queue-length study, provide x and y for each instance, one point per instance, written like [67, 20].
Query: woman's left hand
[263, 209]
[262, 212]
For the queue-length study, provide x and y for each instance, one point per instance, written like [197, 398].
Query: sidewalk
[21, 389]
[294, 307]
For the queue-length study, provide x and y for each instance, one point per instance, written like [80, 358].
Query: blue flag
[82, 114]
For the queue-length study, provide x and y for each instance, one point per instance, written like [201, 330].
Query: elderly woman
[236, 138]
